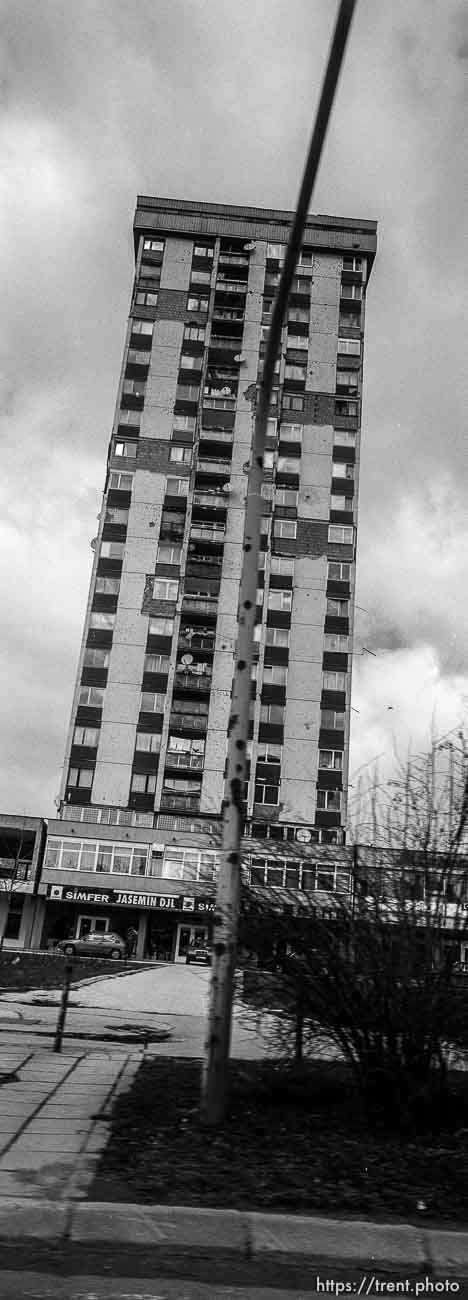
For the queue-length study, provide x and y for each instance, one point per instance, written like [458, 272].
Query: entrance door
[91, 925]
[186, 935]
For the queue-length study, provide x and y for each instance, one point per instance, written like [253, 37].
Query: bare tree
[377, 982]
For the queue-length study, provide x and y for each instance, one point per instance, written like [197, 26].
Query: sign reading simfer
[124, 898]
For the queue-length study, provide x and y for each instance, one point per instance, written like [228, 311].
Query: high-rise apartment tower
[151, 705]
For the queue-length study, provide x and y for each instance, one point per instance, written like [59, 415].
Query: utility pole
[215, 1072]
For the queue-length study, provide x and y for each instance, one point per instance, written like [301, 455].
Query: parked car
[94, 945]
[199, 953]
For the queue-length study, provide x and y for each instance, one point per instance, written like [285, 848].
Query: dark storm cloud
[203, 99]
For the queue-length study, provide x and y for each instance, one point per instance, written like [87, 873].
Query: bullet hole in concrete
[247, 604]
[241, 665]
[247, 547]
[240, 744]
[233, 859]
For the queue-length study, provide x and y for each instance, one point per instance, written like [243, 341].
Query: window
[338, 572]
[199, 277]
[277, 636]
[349, 347]
[341, 470]
[81, 776]
[177, 487]
[342, 533]
[96, 658]
[156, 663]
[86, 736]
[276, 252]
[306, 257]
[114, 515]
[137, 358]
[121, 480]
[299, 314]
[275, 674]
[272, 713]
[334, 681]
[91, 696]
[292, 402]
[161, 626]
[300, 284]
[195, 332]
[352, 291]
[282, 565]
[286, 497]
[298, 341]
[264, 793]
[142, 327]
[345, 408]
[332, 720]
[130, 417]
[347, 381]
[292, 371]
[146, 299]
[127, 449]
[202, 250]
[190, 864]
[288, 465]
[336, 642]
[291, 432]
[148, 742]
[345, 437]
[187, 392]
[280, 599]
[112, 550]
[351, 263]
[100, 620]
[143, 783]
[165, 589]
[184, 424]
[168, 554]
[153, 245]
[152, 702]
[331, 758]
[107, 586]
[268, 752]
[189, 362]
[134, 387]
[181, 455]
[329, 800]
[197, 304]
[268, 459]
[286, 528]
[340, 502]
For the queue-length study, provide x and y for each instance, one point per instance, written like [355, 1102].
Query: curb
[183, 1231]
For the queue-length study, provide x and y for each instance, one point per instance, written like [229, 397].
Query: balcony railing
[181, 802]
[192, 682]
[223, 341]
[212, 466]
[217, 435]
[227, 313]
[215, 499]
[189, 721]
[233, 259]
[219, 403]
[200, 604]
[231, 286]
[192, 762]
[205, 534]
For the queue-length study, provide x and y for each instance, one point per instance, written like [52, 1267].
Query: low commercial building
[22, 843]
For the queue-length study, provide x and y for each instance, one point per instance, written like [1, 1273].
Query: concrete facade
[151, 706]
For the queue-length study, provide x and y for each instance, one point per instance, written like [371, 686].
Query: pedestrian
[131, 941]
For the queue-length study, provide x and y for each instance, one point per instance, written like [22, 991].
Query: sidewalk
[54, 1113]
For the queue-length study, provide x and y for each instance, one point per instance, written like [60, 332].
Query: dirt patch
[22, 972]
[290, 1143]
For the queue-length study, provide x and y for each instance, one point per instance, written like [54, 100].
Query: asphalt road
[47, 1286]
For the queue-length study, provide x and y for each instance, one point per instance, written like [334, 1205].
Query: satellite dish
[226, 488]
[186, 659]
[93, 543]
[249, 248]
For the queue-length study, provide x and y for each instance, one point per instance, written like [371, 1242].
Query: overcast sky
[206, 99]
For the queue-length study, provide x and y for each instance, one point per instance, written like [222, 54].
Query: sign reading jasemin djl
[124, 898]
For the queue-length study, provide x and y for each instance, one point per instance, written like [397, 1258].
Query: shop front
[166, 924]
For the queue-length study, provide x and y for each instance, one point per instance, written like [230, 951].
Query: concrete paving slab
[30, 1140]
[58, 1125]
[447, 1250]
[15, 1184]
[161, 1224]
[25, 1158]
[39, 1219]
[348, 1241]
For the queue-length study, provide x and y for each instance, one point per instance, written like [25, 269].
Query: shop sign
[124, 898]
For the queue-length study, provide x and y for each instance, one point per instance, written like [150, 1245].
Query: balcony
[181, 802]
[233, 259]
[209, 465]
[221, 313]
[224, 342]
[185, 681]
[216, 436]
[189, 722]
[192, 604]
[203, 533]
[190, 762]
[215, 498]
[219, 403]
[231, 286]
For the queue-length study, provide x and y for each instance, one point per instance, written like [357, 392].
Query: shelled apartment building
[146, 751]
